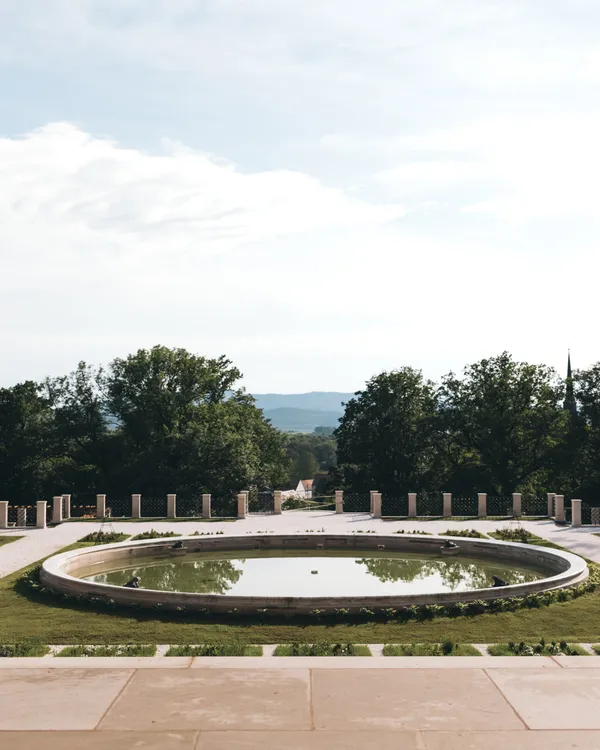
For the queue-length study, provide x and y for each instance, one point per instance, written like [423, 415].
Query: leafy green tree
[309, 454]
[507, 417]
[27, 445]
[186, 428]
[387, 436]
[585, 434]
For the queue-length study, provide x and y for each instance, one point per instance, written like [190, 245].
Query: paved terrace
[301, 704]
[38, 543]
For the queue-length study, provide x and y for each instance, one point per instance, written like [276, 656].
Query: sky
[318, 189]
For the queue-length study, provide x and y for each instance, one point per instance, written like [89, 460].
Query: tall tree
[509, 416]
[185, 426]
[386, 438]
[27, 444]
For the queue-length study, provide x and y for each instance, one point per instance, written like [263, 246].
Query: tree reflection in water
[201, 576]
[452, 573]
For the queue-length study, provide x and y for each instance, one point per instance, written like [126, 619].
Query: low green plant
[104, 537]
[514, 535]
[415, 531]
[541, 648]
[131, 649]
[29, 647]
[216, 649]
[468, 533]
[153, 534]
[596, 648]
[322, 648]
[448, 648]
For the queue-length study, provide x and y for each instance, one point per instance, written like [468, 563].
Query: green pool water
[311, 573]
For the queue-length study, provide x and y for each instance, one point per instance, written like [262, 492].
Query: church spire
[569, 402]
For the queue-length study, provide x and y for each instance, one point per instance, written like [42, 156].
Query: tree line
[165, 420]
[501, 427]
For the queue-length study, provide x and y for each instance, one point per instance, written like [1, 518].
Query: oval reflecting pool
[311, 573]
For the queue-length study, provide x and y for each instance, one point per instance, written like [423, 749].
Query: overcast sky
[319, 189]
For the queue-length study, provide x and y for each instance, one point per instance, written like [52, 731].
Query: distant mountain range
[302, 412]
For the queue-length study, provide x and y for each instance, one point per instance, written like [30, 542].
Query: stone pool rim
[565, 569]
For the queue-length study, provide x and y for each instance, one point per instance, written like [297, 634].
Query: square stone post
[242, 505]
[517, 503]
[277, 502]
[412, 504]
[22, 517]
[447, 506]
[171, 506]
[372, 494]
[377, 505]
[100, 506]
[339, 501]
[4, 514]
[205, 506]
[66, 506]
[57, 507]
[575, 513]
[136, 506]
[40, 514]
[482, 504]
[559, 513]
[551, 496]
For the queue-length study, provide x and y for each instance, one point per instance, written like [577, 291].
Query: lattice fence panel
[394, 506]
[500, 505]
[430, 504]
[357, 502]
[223, 507]
[464, 506]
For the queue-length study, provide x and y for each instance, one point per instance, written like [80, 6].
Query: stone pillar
[40, 514]
[372, 494]
[575, 513]
[559, 513]
[339, 501]
[136, 506]
[4, 514]
[551, 496]
[171, 506]
[57, 506]
[100, 506]
[66, 506]
[517, 503]
[205, 506]
[377, 505]
[242, 505]
[412, 504]
[22, 517]
[482, 504]
[447, 507]
[277, 502]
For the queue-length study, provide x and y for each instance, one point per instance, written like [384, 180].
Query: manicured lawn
[430, 649]
[25, 613]
[8, 539]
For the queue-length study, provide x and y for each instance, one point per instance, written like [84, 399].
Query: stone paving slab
[568, 699]
[577, 662]
[309, 741]
[374, 663]
[95, 662]
[514, 740]
[98, 740]
[231, 699]
[57, 699]
[419, 699]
